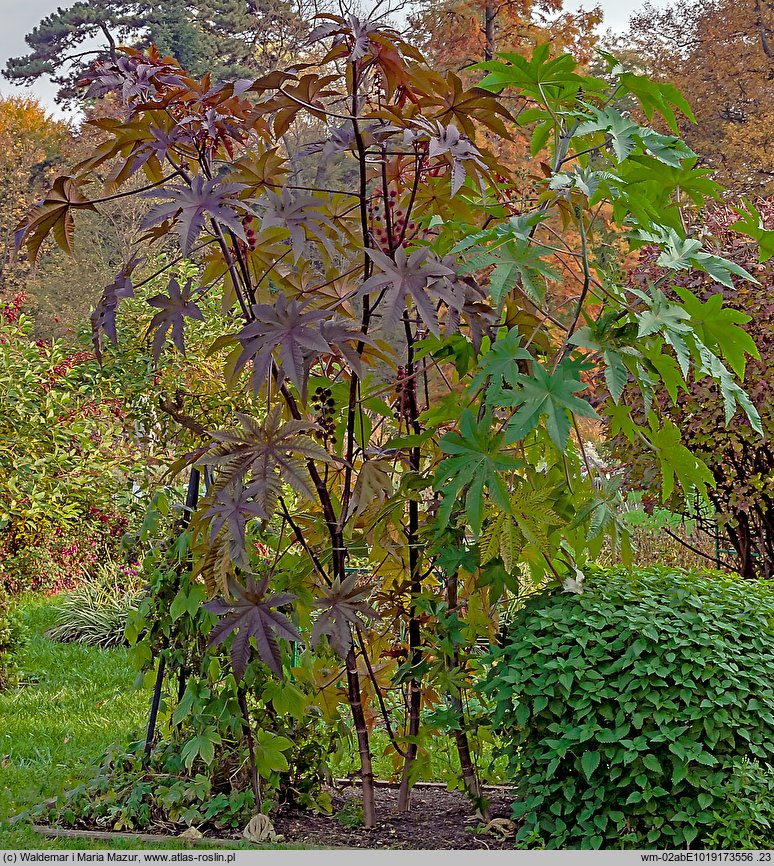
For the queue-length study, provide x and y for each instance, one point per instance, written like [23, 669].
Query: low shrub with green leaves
[746, 818]
[11, 640]
[96, 613]
[625, 709]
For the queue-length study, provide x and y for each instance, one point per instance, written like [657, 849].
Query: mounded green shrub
[10, 643]
[623, 710]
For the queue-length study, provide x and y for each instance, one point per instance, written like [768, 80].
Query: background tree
[720, 53]
[31, 147]
[227, 38]
[458, 33]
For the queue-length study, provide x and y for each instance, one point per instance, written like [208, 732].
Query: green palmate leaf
[544, 394]
[515, 263]
[665, 367]
[616, 373]
[624, 133]
[751, 224]
[686, 253]
[477, 464]
[730, 390]
[286, 698]
[669, 319]
[718, 328]
[540, 76]
[677, 462]
[654, 96]
[500, 363]
[666, 148]
[269, 752]
[201, 746]
[526, 523]
[540, 136]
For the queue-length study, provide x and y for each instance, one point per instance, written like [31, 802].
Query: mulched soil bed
[438, 819]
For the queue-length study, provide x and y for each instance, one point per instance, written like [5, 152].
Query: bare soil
[438, 819]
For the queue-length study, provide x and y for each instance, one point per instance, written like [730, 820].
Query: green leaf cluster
[11, 642]
[624, 709]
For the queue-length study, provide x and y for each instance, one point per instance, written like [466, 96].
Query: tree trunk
[490, 13]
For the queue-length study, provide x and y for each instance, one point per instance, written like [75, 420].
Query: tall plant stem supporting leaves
[334, 528]
[235, 274]
[248, 732]
[415, 578]
[366, 318]
[467, 765]
[378, 692]
[191, 500]
[154, 708]
[364, 748]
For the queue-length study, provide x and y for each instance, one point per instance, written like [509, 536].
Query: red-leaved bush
[741, 461]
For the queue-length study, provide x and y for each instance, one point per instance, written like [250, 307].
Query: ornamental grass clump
[624, 709]
[96, 612]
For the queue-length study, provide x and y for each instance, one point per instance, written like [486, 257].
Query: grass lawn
[79, 701]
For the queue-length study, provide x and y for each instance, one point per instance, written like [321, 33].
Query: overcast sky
[18, 17]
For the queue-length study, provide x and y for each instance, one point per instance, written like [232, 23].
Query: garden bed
[439, 819]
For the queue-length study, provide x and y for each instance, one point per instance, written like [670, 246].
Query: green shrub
[624, 709]
[746, 818]
[11, 641]
[96, 612]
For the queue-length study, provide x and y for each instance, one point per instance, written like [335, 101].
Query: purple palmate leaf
[298, 335]
[448, 141]
[342, 605]
[173, 308]
[251, 614]
[420, 276]
[103, 318]
[288, 326]
[302, 216]
[264, 455]
[161, 142]
[190, 206]
[132, 77]
[232, 508]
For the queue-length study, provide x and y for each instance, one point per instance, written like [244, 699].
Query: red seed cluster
[401, 231]
[248, 223]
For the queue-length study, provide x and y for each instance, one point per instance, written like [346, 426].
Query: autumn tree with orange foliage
[720, 53]
[31, 144]
[458, 33]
